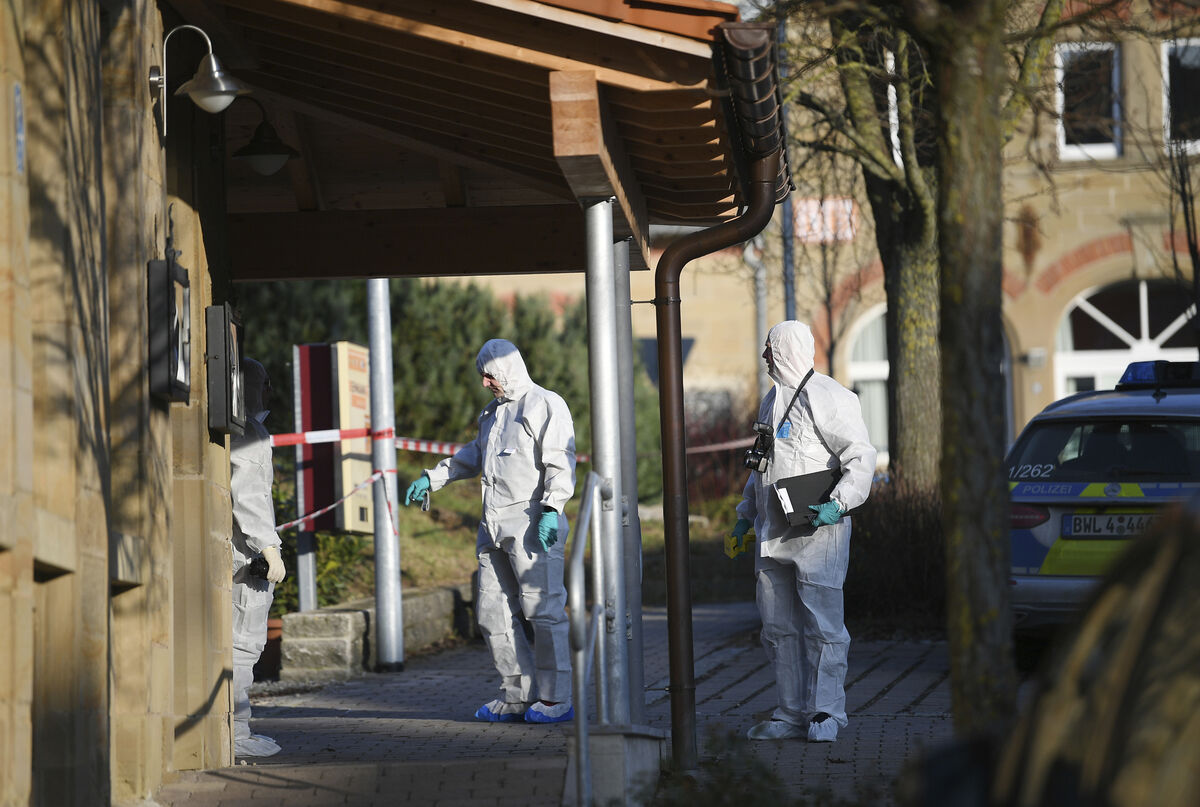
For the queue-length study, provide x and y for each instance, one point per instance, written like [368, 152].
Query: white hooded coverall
[251, 475]
[800, 570]
[525, 457]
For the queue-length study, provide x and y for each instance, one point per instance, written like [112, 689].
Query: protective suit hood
[500, 359]
[792, 347]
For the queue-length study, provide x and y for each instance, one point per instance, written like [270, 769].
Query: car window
[1095, 450]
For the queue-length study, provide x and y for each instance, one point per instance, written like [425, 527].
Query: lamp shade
[265, 152]
[212, 89]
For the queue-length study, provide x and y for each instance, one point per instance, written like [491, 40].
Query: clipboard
[796, 493]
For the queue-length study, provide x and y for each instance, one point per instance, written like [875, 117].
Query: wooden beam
[405, 72]
[392, 20]
[621, 30]
[694, 18]
[671, 138]
[592, 156]
[322, 30]
[417, 103]
[441, 242]
[665, 101]
[452, 149]
[693, 170]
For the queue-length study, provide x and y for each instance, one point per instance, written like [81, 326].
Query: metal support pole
[389, 613]
[606, 443]
[306, 540]
[752, 254]
[629, 485]
[788, 226]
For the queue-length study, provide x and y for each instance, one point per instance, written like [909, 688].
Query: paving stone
[410, 737]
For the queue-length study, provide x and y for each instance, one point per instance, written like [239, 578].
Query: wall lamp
[212, 89]
[265, 153]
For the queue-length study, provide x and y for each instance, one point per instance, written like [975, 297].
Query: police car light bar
[1156, 374]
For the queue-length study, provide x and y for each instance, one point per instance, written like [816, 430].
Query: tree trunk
[907, 248]
[915, 406]
[971, 79]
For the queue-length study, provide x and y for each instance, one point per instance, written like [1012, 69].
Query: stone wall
[335, 643]
[70, 449]
[114, 558]
[16, 428]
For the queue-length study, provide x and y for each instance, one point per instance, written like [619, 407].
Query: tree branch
[1033, 62]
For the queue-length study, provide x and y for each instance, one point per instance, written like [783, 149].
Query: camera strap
[788, 411]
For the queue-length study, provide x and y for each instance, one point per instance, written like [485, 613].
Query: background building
[1091, 281]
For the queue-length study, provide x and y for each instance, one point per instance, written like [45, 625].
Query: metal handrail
[586, 644]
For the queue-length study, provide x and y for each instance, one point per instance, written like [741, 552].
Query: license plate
[1106, 525]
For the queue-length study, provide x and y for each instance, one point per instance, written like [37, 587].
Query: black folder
[796, 493]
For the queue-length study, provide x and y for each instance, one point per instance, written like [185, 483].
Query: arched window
[1105, 328]
[868, 371]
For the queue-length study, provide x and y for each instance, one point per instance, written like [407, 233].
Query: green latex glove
[826, 514]
[548, 530]
[416, 490]
[735, 543]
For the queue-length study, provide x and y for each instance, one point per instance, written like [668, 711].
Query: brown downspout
[764, 174]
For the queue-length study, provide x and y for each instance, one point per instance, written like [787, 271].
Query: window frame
[1190, 146]
[1088, 151]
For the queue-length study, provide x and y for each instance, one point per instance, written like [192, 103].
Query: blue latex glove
[826, 514]
[416, 490]
[735, 543]
[548, 530]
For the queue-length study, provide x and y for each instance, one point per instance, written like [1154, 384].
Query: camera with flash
[757, 456]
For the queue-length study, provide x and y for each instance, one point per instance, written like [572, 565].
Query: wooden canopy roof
[458, 137]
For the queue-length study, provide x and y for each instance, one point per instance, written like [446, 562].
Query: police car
[1091, 471]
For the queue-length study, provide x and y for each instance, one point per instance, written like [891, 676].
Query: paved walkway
[409, 738]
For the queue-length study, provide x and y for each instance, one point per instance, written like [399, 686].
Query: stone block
[8, 143]
[339, 642]
[317, 674]
[321, 654]
[323, 624]
[189, 436]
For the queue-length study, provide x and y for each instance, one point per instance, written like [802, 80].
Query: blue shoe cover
[541, 713]
[498, 711]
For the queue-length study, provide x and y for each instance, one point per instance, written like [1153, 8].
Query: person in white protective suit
[525, 457]
[251, 475]
[800, 569]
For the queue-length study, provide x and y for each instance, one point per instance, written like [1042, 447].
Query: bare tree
[967, 70]
[830, 253]
[856, 78]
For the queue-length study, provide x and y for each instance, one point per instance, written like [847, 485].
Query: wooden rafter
[592, 157]
[448, 151]
[323, 32]
[636, 71]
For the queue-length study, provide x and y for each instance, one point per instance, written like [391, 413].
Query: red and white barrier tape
[426, 446]
[369, 480]
[327, 436]
[739, 443]
[410, 444]
[336, 435]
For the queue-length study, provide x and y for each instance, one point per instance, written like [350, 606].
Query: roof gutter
[747, 55]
